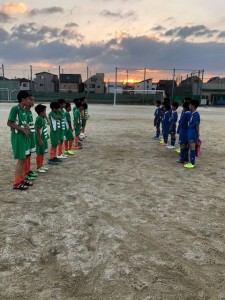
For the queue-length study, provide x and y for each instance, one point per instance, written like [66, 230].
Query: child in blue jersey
[193, 132]
[182, 131]
[173, 121]
[157, 119]
[165, 124]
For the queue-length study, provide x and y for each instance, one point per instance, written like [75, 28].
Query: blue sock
[157, 133]
[165, 137]
[173, 141]
[182, 154]
[186, 152]
[192, 156]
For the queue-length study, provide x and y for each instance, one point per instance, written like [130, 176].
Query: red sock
[66, 145]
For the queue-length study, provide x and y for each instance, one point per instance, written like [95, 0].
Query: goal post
[138, 95]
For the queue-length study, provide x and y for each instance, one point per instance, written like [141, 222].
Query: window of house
[85, 85]
[41, 84]
[92, 86]
[98, 87]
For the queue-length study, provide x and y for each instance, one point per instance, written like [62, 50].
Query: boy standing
[41, 137]
[77, 124]
[193, 132]
[17, 121]
[61, 112]
[165, 124]
[54, 119]
[68, 131]
[173, 121]
[157, 119]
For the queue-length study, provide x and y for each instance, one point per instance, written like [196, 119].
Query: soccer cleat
[170, 147]
[52, 162]
[70, 152]
[161, 141]
[180, 161]
[178, 150]
[66, 151]
[77, 148]
[189, 166]
[32, 174]
[164, 144]
[156, 138]
[61, 156]
[40, 170]
[44, 168]
[29, 178]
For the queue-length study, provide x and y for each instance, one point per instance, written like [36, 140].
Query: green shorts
[54, 138]
[41, 149]
[77, 130]
[69, 134]
[20, 143]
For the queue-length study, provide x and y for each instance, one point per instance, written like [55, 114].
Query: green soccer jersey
[19, 140]
[30, 121]
[68, 130]
[62, 124]
[77, 121]
[40, 123]
[54, 128]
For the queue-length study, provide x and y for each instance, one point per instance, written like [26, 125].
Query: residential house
[95, 84]
[213, 91]
[111, 87]
[167, 86]
[70, 83]
[143, 85]
[25, 84]
[46, 82]
[191, 86]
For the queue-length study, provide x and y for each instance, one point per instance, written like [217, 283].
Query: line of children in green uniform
[28, 137]
[188, 129]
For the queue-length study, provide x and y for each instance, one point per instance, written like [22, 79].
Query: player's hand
[26, 131]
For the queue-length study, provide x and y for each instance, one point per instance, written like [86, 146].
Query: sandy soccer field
[119, 220]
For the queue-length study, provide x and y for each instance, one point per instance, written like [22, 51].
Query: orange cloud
[14, 8]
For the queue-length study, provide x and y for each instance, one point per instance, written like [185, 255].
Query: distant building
[191, 86]
[46, 82]
[143, 85]
[70, 83]
[95, 84]
[25, 84]
[111, 87]
[213, 92]
[167, 86]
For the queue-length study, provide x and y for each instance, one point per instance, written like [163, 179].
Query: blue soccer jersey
[173, 121]
[166, 122]
[192, 130]
[157, 114]
[183, 127]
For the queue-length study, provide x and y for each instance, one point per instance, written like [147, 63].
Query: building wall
[45, 82]
[143, 85]
[95, 84]
[69, 87]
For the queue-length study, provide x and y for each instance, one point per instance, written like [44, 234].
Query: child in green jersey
[17, 121]
[54, 119]
[30, 175]
[77, 123]
[41, 137]
[62, 103]
[68, 131]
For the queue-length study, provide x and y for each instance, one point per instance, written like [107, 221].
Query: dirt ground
[120, 219]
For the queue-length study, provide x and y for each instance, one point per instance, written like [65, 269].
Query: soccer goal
[138, 96]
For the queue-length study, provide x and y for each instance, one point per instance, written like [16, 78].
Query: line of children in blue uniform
[28, 136]
[188, 128]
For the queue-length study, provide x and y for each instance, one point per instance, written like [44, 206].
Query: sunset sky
[104, 34]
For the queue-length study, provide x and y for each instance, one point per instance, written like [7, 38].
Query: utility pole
[31, 78]
[3, 72]
[59, 78]
[174, 73]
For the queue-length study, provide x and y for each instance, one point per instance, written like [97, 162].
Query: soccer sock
[165, 137]
[52, 153]
[38, 161]
[182, 154]
[16, 180]
[60, 149]
[173, 141]
[186, 152]
[66, 143]
[28, 163]
[76, 140]
[70, 145]
[192, 156]
[157, 132]
[42, 160]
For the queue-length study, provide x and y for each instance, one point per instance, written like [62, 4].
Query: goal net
[147, 97]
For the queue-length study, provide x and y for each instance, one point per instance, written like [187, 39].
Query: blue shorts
[157, 122]
[183, 137]
[173, 131]
[192, 135]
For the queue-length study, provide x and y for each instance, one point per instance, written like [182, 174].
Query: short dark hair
[75, 100]
[54, 105]
[78, 104]
[158, 102]
[186, 105]
[22, 95]
[61, 101]
[85, 105]
[175, 104]
[167, 106]
[68, 104]
[40, 108]
[187, 99]
[195, 103]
